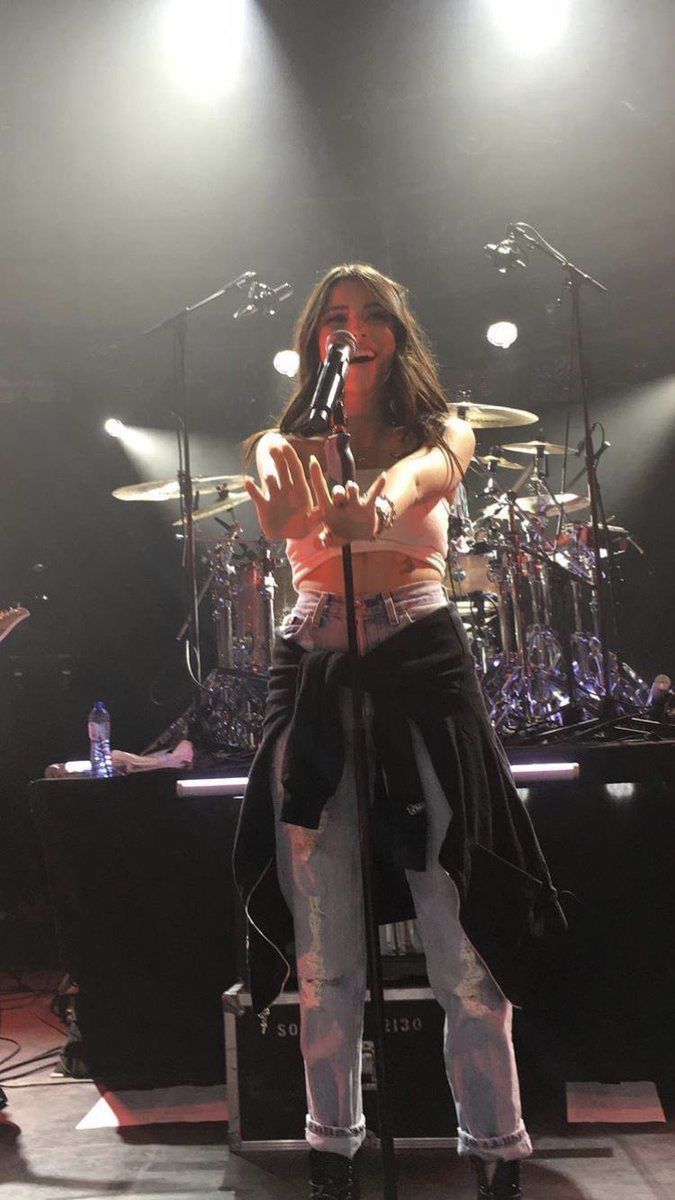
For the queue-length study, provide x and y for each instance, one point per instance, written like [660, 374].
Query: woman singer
[447, 823]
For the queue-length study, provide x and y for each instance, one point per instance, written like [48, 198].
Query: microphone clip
[508, 253]
[262, 298]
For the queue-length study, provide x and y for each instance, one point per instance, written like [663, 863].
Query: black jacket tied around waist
[423, 675]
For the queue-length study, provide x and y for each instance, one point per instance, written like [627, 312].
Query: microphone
[339, 349]
[262, 298]
[507, 253]
[581, 446]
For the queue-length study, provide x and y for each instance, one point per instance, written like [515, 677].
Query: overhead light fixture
[502, 334]
[203, 41]
[114, 427]
[131, 437]
[287, 362]
[530, 26]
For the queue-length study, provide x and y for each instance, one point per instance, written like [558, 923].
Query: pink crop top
[420, 533]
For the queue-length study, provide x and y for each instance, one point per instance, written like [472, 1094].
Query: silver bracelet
[385, 511]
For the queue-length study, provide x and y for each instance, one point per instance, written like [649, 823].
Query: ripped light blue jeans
[320, 876]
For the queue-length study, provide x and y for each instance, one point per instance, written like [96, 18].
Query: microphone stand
[575, 278]
[340, 464]
[178, 324]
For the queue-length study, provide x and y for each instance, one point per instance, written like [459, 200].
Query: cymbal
[495, 460]
[169, 489]
[488, 416]
[539, 506]
[535, 447]
[220, 506]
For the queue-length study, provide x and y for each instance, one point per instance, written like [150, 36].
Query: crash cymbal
[221, 506]
[496, 461]
[169, 489]
[537, 506]
[487, 416]
[535, 447]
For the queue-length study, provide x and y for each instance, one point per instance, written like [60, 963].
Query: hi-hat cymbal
[221, 506]
[169, 489]
[487, 416]
[539, 506]
[495, 461]
[535, 448]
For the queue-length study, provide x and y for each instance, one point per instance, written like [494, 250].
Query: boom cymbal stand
[260, 298]
[526, 236]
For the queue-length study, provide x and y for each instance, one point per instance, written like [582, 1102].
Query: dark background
[406, 135]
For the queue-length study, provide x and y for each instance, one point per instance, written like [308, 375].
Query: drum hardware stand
[261, 298]
[479, 636]
[266, 589]
[220, 582]
[340, 465]
[609, 575]
[574, 278]
[572, 712]
[586, 652]
[525, 686]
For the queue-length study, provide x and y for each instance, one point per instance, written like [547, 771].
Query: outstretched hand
[285, 504]
[348, 515]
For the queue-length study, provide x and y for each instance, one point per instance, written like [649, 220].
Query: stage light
[530, 26]
[620, 791]
[223, 786]
[203, 43]
[286, 362]
[540, 772]
[131, 437]
[502, 334]
[114, 427]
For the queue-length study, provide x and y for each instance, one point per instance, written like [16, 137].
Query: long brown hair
[414, 396]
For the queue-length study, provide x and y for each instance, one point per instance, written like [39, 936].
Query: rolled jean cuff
[334, 1139]
[511, 1145]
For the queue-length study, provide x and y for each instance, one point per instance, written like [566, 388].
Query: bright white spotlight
[531, 26]
[502, 334]
[287, 362]
[131, 437]
[114, 427]
[203, 43]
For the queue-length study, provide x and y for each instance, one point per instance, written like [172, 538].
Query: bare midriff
[379, 571]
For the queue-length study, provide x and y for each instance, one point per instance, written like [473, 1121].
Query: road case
[265, 1078]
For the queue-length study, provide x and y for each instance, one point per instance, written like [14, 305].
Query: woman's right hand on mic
[285, 503]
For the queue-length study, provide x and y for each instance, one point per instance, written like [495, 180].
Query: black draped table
[149, 929]
[141, 885]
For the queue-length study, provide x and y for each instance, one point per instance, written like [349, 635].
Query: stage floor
[74, 1139]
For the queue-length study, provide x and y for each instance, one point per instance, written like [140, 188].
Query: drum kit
[521, 569]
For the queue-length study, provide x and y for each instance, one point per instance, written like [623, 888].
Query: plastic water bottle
[98, 723]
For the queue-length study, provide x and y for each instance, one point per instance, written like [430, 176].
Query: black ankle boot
[332, 1177]
[505, 1184]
